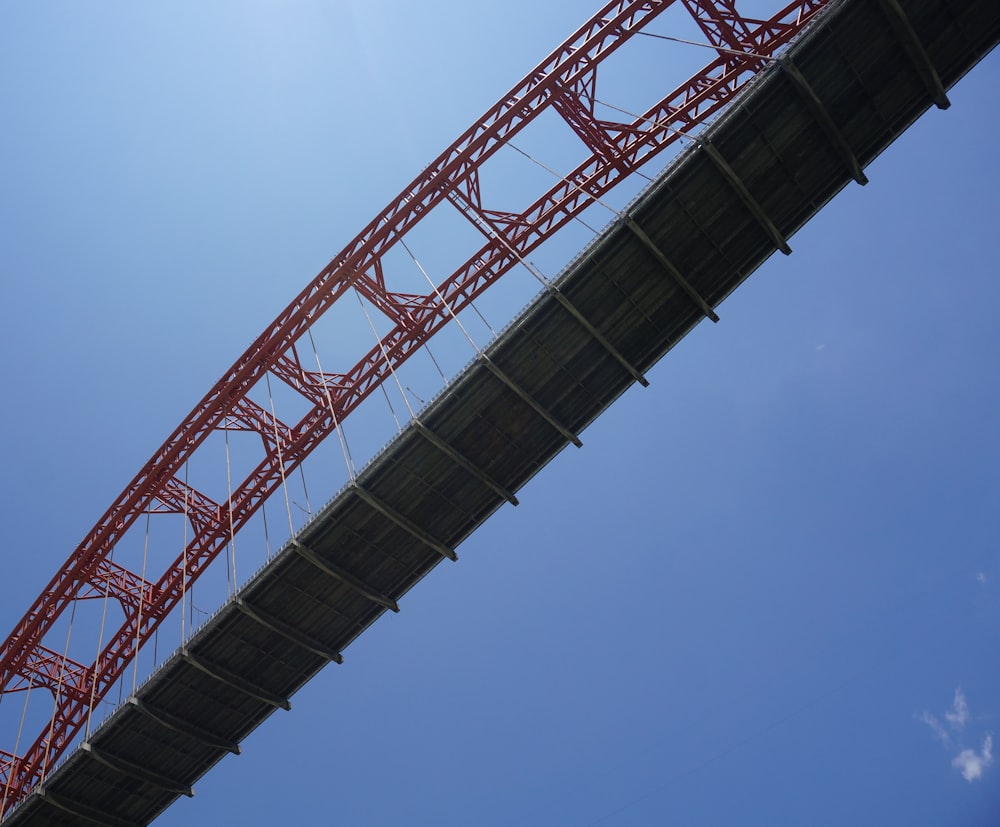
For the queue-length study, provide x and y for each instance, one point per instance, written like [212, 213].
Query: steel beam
[140, 773]
[460, 459]
[348, 579]
[668, 265]
[238, 682]
[822, 116]
[529, 400]
[599, 337]
[915, 50]
[404, 522]
[89, 814]
[744, 194]
[179, 725]
[296, 636]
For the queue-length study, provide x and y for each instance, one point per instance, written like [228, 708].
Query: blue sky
[766, 589]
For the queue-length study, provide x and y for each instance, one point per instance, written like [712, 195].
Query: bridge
[855, 76]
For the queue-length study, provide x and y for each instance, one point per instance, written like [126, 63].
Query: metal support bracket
[171, 722]
[296, 636]
[915, 50]
[822, 116]
[404, 523]
[463, 461]
[668, 265]
[599, 337]
[133, 770]
[238, 682]
[344, 577]
[741, 190]
[532, 403]
[78, 810]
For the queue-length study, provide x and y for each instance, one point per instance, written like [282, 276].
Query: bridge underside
[803, 131]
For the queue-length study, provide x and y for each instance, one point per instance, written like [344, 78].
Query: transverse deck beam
[915, 50]
[822, 116]
[296, 636]
[404, 522]
[530, 401]
[78, 810]
[745, 196]
[599, 337]
[171, 722]
[462, 460]
[345, 577]
[238, 682]
[132, 769]
[668, 265]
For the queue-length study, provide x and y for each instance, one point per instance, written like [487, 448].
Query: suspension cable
[442, 299]
[138, 624]
[281, 461]
[231, 545]
[341, 436]
[100, 642]
[17, 744]
[388, 362]
[737, 52]
[305, 490]
[59, 683]
[184, 552]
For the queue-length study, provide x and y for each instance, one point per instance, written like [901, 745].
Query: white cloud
[958, 717]
[936, 727]
[971, 763]
[981, 577]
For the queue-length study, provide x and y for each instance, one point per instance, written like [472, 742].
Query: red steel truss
[565, 80]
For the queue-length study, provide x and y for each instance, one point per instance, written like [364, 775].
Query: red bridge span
[787, 112]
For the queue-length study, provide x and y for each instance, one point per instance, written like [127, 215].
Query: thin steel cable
[17, 745]
[59, 683]
[267, 536]
[388, 362]
[184, 552]
[100, 642]
[661, 124]
[435, 361]
[281, 461]
[482, 318]
[305, 491]
[341, 436]
[736, 52]
[564, 179]
[442, 299]
[231, 545]
[138, 624]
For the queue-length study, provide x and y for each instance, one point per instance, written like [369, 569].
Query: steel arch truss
[565, 81]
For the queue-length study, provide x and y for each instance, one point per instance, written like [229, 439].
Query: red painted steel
[566, 80]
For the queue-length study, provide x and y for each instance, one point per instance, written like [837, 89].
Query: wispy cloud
[958, 716]
[981, 577]
[969, 762]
